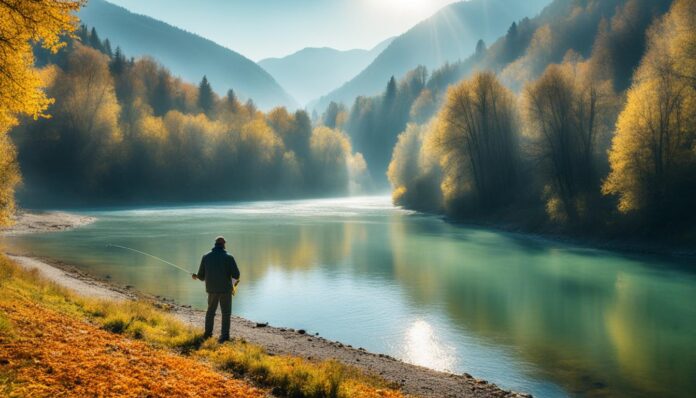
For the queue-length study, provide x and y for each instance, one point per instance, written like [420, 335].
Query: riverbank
[540, 230]
[411, 379]
[281, 341]
[49, 347]
[49, 221]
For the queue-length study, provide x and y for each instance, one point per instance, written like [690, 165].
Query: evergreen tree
[162, 97]
[390, 94]
[251, 106]
[205, 96]
[331, 115]
[83, 34]
[480, 48]
[118, 62]
[232, 101]
[94, 40]
[107, 48]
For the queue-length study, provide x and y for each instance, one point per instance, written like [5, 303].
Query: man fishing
[221, 275]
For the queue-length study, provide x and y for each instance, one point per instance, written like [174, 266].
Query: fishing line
[150, 255]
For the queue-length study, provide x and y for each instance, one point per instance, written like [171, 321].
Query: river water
[527, 314]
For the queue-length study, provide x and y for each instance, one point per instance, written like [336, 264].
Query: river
[530, 315]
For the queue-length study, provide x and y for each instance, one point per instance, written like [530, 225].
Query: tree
[231, 101]
[478, 141]
[24, 23]
[423, 107]
[332, 115]
[94, 41]
[118, 62]
[163, 94]
[390, 94]
[107, 48]
[206, 98]
[414, 171]
[480, 49]
[653, 155]
[564, 120]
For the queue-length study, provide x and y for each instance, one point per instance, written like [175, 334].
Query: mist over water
[530, 315]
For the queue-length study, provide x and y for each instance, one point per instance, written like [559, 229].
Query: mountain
[312, 72]
[448, 36]
[185, 54]
[609, 34]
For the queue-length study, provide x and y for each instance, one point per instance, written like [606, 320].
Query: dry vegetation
[57, 344]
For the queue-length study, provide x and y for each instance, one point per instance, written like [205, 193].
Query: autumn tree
[414, 171]
[23, 24]
[564, 122]
[653, 155]
[84, 128]
[479, 142]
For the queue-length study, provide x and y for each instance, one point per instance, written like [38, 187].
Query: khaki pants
[225, 301]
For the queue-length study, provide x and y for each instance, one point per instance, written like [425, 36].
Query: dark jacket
[217, 270]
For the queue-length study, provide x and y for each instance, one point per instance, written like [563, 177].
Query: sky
[274, 28]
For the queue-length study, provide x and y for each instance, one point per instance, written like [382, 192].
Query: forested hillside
[590, 127]
[610, 34]
[187, 55]
[448, 36]
[125, 131]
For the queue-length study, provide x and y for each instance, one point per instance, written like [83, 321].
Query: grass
[284, 375]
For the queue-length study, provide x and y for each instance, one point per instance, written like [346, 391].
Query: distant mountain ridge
[185, 54]
[312, 71]
[448, 36]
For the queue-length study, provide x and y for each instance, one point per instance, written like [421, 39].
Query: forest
[127, 131]
[567, 135]
[578, 119]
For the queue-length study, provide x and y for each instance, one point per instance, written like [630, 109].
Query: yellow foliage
[88, 96]
[22, 24]
[9, 178]
[655, 133]
[477, 138]
[257, 134]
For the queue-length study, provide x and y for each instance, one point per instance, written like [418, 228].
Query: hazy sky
[270, 28]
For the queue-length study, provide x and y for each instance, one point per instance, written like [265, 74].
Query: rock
[301, 331]
[261, 325]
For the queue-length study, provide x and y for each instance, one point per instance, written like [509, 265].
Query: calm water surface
[534, 316]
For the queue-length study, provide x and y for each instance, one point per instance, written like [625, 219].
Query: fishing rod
[152, 256]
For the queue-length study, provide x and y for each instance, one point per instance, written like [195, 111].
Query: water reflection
[422, 347]
[527, 314]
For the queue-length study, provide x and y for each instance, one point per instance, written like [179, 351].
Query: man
[220, 273]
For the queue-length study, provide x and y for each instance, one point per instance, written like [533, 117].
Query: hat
[220, 240]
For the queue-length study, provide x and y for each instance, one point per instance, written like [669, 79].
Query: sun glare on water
[423, 347]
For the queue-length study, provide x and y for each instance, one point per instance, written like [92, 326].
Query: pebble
[301, 331]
